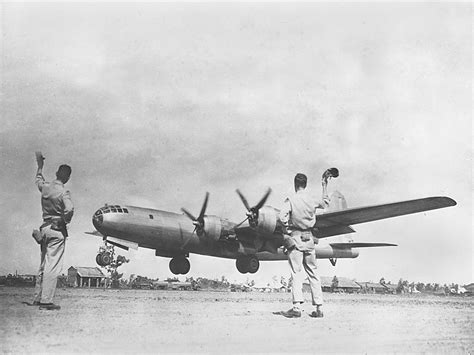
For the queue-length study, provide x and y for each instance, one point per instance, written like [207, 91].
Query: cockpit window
[108, 209]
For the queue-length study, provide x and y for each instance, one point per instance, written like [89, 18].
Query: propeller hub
[199, 221]
[252, 212]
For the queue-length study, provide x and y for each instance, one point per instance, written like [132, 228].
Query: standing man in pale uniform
[57, 213]
[299, 217]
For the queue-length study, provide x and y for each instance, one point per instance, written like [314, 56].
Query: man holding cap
[57, 212]
[299, 217]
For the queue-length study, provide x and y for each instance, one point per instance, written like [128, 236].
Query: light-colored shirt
[55, 199]
[299, 210]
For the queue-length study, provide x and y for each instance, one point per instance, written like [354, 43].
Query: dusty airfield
[147, 321]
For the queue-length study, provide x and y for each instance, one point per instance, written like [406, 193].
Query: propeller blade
[187, 213]
[204, 206]
[263, 200]
[244, 201]
[239, 224]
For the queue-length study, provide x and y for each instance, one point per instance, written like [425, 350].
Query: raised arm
[39, 180]
[324, 203]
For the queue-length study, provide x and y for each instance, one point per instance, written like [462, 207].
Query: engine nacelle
[267, 220]
[212, 227]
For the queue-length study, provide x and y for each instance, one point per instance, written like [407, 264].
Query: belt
[294, 229]
[55, 223]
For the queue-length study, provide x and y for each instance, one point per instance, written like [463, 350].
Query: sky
[154, 104]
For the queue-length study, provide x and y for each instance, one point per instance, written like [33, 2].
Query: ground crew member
[298, 217]
[57, 212]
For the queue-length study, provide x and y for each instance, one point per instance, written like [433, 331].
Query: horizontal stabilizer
[360, 245]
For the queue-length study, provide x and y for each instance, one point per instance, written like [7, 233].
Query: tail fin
[337, 202]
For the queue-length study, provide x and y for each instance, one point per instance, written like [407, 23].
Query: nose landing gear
[105, 255]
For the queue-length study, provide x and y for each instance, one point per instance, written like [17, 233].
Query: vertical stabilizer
[337, 202]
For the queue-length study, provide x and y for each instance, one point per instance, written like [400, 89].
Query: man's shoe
[292, 313]
[316, 314]
[49, 306]
[34, 303]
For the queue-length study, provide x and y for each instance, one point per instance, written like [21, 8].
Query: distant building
[84, 277]
[338, 284]
[469, 289]
[19, 280]
[390, 288]
[161, 285]
[372, 287]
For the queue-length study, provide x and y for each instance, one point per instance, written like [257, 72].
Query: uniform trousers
[301, 263]
[52, 251]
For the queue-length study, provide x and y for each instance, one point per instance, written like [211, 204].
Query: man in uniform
[298, 217]
[57, 212]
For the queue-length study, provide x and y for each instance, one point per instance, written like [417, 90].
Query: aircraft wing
[335, 223]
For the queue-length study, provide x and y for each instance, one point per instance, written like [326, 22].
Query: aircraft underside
[245, 263]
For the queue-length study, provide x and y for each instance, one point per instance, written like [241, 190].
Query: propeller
[199, 221]
[252, 212]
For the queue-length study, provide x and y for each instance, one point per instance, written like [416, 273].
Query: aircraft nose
[98, 219]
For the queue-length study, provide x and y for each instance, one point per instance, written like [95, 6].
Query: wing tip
[445, 201]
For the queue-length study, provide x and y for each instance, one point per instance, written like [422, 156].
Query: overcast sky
[154, 104]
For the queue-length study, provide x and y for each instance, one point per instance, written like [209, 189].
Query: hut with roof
[79, 276]
[335, 284]
[372, 287]
[469, 289]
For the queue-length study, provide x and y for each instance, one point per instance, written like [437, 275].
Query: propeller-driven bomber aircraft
[258, 237]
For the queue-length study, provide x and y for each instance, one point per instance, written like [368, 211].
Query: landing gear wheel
[184, 266]
[106, 258]
[253, 265]
[179, 265]
[103, 259]
[174, 266]
[242, 265]
[98, 260]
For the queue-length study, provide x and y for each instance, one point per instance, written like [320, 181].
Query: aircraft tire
[174, 266]
[106, 258]
[184, 266]
[242, 265]
[253, 264]
[98, 260]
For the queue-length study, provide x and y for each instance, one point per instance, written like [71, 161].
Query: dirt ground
[148, 321]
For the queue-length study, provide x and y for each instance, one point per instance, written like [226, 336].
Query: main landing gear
[247, 264]
[179, 265]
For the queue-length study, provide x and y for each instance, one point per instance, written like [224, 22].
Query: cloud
[155, 104]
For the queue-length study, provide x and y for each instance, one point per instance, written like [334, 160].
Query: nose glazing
[97, 219]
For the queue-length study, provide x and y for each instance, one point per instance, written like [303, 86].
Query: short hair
[64, 172]
[301, 180]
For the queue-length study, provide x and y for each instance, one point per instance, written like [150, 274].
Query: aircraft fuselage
[172, 234]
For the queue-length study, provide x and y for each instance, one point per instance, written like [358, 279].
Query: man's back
[55, 199]
[303, 209]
